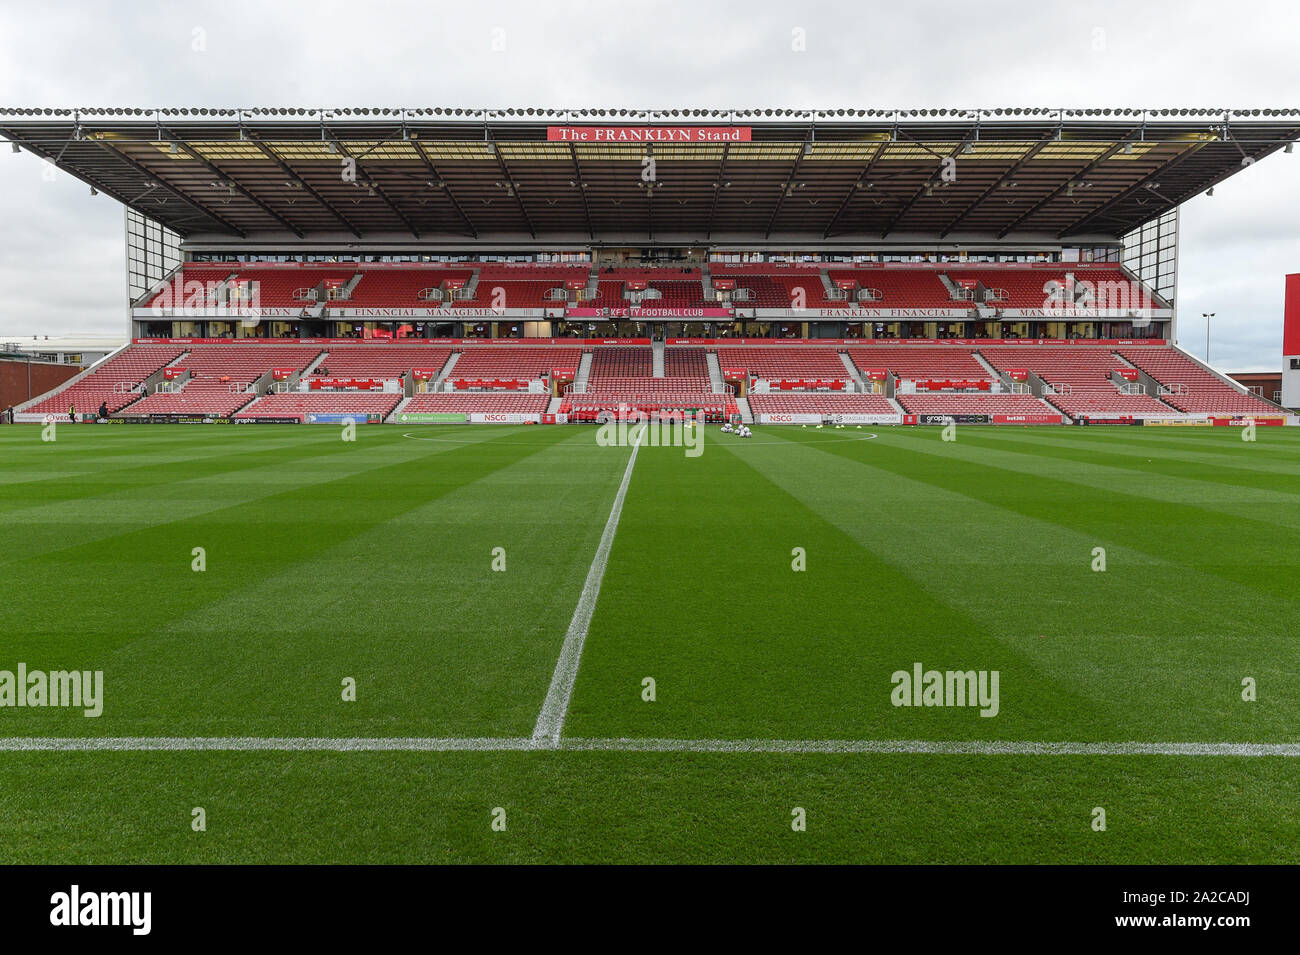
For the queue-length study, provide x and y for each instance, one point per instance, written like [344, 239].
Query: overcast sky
[62, 252]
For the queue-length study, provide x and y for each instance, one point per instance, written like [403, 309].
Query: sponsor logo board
[432, 417]
[1026, 419]
[339, 417]
[866, 419]
[787, 418]
[503, 417]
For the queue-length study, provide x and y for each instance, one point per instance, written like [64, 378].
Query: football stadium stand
[976, 405]
[114, 382]
[896, 288]
[1030, 288]
[379, 361]
[397, 287]
[301, 404]
[1190, 387]
[491, 403]
[921, 362]
[784, 361]
[622, 377]
[522, 286]
[464, 280]
[1082, 380]
[824, 404]
[523, 361]
[220, 376]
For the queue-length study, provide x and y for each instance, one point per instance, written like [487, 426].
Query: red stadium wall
[45, 375]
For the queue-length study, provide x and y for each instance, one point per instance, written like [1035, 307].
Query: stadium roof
[477, 177]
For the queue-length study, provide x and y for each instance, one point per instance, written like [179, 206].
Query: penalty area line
[550, 721]
[492, 744]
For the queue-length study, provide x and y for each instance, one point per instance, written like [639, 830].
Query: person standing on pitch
[72, 413]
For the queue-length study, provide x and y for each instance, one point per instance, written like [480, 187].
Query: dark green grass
[642, 807]
[372, 560]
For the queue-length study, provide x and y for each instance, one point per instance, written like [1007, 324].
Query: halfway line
[403, 744]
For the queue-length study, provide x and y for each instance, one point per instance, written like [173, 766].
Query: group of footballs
[739, 430]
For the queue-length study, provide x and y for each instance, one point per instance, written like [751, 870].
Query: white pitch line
[132, 744]
[493, 744]
[550, 721]
[931, 747]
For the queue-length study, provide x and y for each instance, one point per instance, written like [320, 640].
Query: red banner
[650, 311]
[707, 313]
[508, 384]
[877, 374]
[1129, 374]
[1018, 374]
[936, 384]
[364, 384]
[1244, 420]
[1291, 317]
[423, 374]
[648, 134]
[171, 373]
[793, 384]
[282, 374]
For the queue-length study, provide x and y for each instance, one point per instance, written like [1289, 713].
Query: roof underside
[432, 176]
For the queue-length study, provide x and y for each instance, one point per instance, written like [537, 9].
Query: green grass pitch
[373, 560]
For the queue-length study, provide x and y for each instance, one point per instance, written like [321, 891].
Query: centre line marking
[494, 744]
[550, 721]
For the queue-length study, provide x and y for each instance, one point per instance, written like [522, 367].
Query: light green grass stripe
[1279, 447]
[1244, 471]
[1017, 529]
[40, 529]
[1259, 515]
[1131, 639]
[450, 645]
[131, 562]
